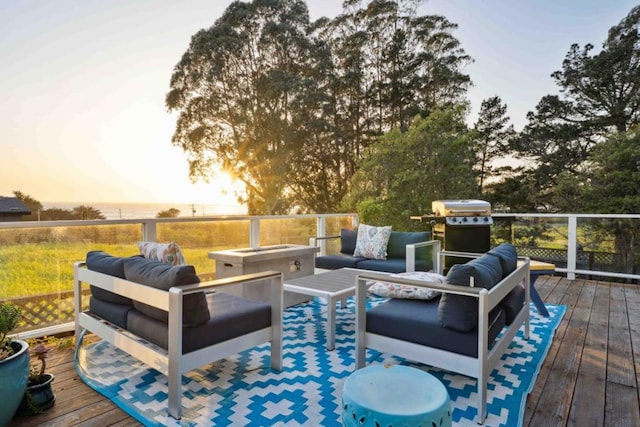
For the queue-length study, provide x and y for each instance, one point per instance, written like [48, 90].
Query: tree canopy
[288, 106]
[38, 213]
[599, 95]
[405, 171]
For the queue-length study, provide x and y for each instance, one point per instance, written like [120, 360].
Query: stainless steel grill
[461, 225]
[462, 212]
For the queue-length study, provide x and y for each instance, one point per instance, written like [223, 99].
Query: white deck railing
[574, 240]
[567, 234]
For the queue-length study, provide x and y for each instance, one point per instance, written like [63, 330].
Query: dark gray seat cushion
[165, 276]
[392, 265]
[417, 321]
[104, 263]
[111, 312]
[389, 265]
[461, 312]
[335, 261]
[231, 317]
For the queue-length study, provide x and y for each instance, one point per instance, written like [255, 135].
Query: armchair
[182, 324]
[491, 311]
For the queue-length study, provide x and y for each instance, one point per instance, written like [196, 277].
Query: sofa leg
[276, 353]
[175, 405]
[482, 399]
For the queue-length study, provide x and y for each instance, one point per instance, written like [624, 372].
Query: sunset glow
[83, 85]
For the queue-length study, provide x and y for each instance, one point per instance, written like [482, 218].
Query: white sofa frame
[172, 362]
[476, 367]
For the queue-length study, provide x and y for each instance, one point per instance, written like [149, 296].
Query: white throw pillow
[372, 241]
[169, 253]
[396, 290]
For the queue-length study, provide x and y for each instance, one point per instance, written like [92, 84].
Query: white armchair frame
[173, 362]
[476, 367]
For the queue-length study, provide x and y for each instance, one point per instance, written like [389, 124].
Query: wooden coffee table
[334, 286]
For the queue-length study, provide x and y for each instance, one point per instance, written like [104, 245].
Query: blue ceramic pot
[37, 398]
[14, 373]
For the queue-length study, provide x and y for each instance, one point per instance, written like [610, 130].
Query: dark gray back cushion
[459, 312]
[164, 276]
[508, 257]
[398, 241]
[104, 263]
[231, 317]
[348, 240]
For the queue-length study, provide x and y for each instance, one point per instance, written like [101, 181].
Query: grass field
[40, 260]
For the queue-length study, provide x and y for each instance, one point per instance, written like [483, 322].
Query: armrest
[321, 242]
[411, 254]
[367, 278]
[313, 241]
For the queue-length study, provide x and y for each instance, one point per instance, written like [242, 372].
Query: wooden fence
[44, 310]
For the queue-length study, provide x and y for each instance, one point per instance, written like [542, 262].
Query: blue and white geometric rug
[243, 390]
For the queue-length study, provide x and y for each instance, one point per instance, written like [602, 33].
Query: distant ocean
[150, 210]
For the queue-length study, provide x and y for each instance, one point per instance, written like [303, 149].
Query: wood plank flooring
[590, 377]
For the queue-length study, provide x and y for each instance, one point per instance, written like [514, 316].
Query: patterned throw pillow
[169, 253]
[372, 241]
[396, 290]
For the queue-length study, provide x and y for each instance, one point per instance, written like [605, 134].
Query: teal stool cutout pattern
[394, 395]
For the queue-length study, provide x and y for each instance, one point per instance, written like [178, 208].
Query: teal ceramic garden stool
[394, 395]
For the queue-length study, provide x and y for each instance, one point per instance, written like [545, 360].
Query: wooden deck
[590, 377]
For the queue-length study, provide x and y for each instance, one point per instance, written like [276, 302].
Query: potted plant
[14, 363]
[38, 396]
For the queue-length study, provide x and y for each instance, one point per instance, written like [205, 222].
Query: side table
[394, 395]
[539, 268]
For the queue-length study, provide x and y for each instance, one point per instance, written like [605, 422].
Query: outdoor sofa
[405, 251]
[162, 315]
[466, 327]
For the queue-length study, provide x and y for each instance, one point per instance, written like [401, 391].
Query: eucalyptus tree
[390, 64]
[241, 90]
[288, 106]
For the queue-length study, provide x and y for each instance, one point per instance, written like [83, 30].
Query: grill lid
[461, 208]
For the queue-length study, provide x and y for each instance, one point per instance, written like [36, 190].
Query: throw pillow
[400, 291]
[169, 253]
[372, 241]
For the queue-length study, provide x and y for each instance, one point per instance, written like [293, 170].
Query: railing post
[572, 247]
[321, 231]
[254, 233]
[149, 231]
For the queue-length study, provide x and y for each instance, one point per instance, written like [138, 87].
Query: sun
[222, 189]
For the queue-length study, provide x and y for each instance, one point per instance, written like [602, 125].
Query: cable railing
[37, 258]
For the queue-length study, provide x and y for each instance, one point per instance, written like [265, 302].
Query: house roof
[13, 206]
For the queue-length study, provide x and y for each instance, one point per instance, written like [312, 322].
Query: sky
[83, 83]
